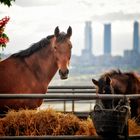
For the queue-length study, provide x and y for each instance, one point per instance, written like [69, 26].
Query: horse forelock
[62, 37]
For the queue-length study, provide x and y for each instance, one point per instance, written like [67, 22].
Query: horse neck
[119, 84]
[133, 84]
[128, 84]
[43, 65]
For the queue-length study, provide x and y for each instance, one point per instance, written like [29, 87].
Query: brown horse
[31, 70]
[116, 82]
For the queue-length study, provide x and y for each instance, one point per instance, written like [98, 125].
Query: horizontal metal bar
[64, 137]
[134, 137]
[68, 137]
[71, 91]
[49, 137]
[68, 96]
[69, 100]
[71, 87]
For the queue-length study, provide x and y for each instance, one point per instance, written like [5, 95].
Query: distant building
[136, 37]
[96, 64]
[87, 51]
[107, 39]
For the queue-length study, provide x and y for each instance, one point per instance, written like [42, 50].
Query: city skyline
[107, 39]
[129, 60]
[33, 20]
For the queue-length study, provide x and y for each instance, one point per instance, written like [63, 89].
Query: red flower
[3, 40]
[3, 37]
[4, 21]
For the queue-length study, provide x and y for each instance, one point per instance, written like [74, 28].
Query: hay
[86, 128]
[134, 128]
[50, 122]
[43, 122]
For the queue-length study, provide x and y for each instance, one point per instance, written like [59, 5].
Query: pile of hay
[134, 128]
[50, 122]
[44, 122]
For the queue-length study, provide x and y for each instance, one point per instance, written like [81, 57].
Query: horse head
[62, 51]
[104, 86]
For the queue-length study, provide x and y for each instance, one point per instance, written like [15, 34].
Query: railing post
[64, 107]
[73, 101]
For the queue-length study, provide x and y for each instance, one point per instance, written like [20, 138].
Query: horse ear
[69, 32]
[108, 80]
[56, 31]
[95, 82]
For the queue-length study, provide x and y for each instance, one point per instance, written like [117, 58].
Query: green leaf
[6, 2]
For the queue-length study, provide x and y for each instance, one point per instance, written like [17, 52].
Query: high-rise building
[136, 37]
[87, 51]
[107, 39]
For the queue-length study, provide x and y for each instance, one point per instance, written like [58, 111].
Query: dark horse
[116, 82]
[31, 70]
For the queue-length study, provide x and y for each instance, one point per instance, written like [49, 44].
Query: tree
[6, 2]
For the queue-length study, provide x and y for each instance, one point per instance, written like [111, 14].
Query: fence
[68, 93]
[74, 103]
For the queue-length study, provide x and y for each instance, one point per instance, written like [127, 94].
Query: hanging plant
[3, 37]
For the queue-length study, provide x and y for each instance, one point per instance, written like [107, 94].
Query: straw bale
[50, 122]
[19, 123]
[43, 122]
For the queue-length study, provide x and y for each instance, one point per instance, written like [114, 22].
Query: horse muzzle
[63, 74]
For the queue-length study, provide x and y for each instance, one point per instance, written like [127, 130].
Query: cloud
[31, 3]
[34, 19]
[117, 16]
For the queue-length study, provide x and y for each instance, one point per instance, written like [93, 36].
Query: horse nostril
[64, 73]
[60, 72]
[67, 71]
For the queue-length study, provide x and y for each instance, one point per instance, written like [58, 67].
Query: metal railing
[67, 93]
[68, 96]
[64, 137]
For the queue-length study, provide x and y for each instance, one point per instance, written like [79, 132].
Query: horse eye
[55, 49]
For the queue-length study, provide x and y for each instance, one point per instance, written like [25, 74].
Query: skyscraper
[107, 39]
[136, 37]
[88, 39]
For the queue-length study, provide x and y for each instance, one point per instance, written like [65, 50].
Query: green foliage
[6, 2]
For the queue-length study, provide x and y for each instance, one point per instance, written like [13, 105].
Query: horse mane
[132, 78]
[111, 73]
[34, 47]
[118, 72]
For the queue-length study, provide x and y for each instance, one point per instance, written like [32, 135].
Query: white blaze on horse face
[63, 55]
[63, 63]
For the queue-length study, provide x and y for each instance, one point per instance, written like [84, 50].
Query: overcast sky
[32, 20]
